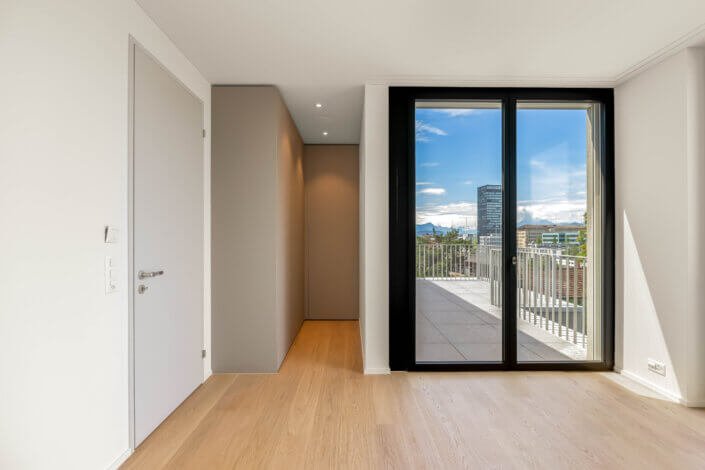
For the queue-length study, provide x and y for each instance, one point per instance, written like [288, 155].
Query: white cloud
[435, 191]
[556, 210]
[456, 214]
[553, 172]
[468, 182]
[430, 164]
[422, 183]
[559, 210]
[424, 131]
[452, 112]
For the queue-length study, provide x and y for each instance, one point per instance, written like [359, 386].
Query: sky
[458, 150]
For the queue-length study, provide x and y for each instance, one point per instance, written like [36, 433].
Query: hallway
[320, 411]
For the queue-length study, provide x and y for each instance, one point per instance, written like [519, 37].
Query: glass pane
[458, 232]
[558, 232]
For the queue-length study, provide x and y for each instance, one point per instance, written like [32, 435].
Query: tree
[582, 238]
[436, 258]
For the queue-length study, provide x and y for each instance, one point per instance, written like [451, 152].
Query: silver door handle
[143, 275]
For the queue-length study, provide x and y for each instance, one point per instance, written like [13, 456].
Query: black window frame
[402, 213]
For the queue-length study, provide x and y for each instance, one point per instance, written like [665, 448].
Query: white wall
[695, 352]
[362, 292]
[659, 178]
[374, 229]
[63, 177]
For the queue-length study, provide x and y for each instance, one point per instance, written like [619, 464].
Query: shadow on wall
[650, 308]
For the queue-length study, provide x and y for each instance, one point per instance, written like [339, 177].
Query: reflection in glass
[558, 227]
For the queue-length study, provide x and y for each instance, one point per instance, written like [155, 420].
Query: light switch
[110, 275]
[111, 234]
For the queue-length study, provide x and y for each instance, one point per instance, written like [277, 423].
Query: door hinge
[203, 353]
[204, 133]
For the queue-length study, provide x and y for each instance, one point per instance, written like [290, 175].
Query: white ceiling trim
[692, 38]
[491, 82]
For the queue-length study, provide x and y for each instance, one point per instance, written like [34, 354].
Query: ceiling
[323, 51]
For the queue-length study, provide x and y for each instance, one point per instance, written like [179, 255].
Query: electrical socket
[657, 367]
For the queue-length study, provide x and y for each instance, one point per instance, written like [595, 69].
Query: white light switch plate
[111, 234]
[110, 275]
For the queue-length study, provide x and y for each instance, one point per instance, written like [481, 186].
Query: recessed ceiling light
[325, 133]
[319, 105]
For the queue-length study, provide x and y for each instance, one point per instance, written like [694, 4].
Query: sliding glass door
[458, 231]
[501, 229]
[559, 231]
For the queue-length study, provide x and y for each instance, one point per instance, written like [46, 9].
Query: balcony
[459, 312]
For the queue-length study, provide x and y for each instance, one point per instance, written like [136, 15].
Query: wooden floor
[320, 411]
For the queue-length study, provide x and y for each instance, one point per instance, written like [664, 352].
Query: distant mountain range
[532, 221]
[544, 222]
[427, 229]
[527, 219]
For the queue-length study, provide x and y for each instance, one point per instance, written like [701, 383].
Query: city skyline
[459, 150]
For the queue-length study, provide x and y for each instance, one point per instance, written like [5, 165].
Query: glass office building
[489, 210]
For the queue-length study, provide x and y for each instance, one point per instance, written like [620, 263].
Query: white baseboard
[377, 370]
[362, 348]
[694, 404]
[667, 394]
[120, 460]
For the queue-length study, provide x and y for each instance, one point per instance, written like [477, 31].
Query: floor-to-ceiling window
[500, 228]
[458, 231]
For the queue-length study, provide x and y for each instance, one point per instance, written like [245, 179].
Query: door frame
[402, 215]
[131, 282]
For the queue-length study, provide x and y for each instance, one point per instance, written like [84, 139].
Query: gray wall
[257, 229]
[331, 180]
[290, 232]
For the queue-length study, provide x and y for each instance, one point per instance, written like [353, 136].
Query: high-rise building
[489, 210]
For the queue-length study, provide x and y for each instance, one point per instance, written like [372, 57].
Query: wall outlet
[657, 367]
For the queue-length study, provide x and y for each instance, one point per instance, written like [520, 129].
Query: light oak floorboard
[321, 412]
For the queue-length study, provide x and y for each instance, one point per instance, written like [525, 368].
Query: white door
[168, 243]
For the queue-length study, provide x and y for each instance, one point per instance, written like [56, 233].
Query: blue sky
[458, 150]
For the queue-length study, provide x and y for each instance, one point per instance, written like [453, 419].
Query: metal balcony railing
[550, 285]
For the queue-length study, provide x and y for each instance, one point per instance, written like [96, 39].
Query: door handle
[144, 275]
